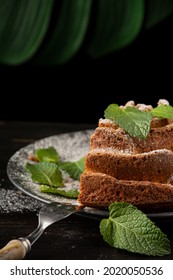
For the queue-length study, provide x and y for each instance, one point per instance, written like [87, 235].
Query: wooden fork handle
[16, 249]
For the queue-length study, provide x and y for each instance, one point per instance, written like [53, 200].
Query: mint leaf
[47, 154]
[130, 229]
[46, 173]
[74, 169]
[52, 190]
[132, 120]
[163, 111]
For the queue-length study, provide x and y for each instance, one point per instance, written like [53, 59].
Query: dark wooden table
[76, 237]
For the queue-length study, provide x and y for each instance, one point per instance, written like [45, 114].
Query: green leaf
[68, 33]
[130, 229]
[46, 173]
[132, 120]
[47, 154]
[116, 24]
[157, 10]
[23, 26]
[74, 169]
[69, 193]
[163, 111]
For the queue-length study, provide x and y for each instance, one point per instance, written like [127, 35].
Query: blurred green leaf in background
[117, 23]
[54, 31]
[23, 25]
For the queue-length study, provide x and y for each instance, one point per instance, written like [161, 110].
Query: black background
[81, 89]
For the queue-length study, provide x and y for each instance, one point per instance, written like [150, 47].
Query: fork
[50, 213]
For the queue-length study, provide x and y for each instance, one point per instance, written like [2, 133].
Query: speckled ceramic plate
[71, 147]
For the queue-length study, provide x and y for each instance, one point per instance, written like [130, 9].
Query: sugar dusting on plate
[70, 146]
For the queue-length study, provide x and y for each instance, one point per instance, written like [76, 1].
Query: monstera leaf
[53, 32]
[68, 33]
[117, 23]
[23, 25]
[157, 10]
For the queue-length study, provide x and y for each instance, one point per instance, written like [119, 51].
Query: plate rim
[86, 211]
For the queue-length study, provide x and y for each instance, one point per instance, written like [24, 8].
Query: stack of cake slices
[120, 167]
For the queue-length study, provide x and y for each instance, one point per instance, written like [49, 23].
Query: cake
[120, 167]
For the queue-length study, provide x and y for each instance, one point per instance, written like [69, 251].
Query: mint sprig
[47, 173]
[163, 111]
[74, 169]
[67, 193]
[134, 121]
[47, 154]
[130, 229]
